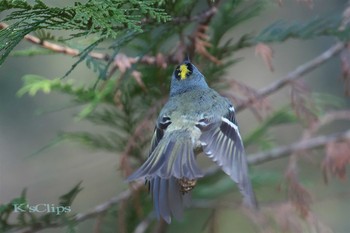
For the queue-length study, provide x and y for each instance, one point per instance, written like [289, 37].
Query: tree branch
[96, 211]
[283, 151]
[253, 159]
[146, 59]
[162, 61]
[294, 75]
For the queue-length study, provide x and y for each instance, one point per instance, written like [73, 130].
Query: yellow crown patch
[183, 71]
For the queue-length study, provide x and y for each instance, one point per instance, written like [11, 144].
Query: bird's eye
[183, 71]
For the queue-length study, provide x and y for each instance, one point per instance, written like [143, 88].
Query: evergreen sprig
[107, 19]
[21, 213]
[320, 26]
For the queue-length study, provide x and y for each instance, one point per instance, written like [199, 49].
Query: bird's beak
[187, 58]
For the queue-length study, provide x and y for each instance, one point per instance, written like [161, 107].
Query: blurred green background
[28, 123]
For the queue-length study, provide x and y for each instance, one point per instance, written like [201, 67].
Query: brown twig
[150, 60]
[283, 151]
[294, 75]
[58, 48]
[329, 118]
[146, 59]
[96, 211]
[253, 159]
[102, 208]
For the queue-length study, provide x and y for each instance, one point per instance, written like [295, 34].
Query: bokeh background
[28, 123]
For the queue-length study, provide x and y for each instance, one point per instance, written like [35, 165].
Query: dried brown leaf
[262, 105]
[302, 103]
[284, 217]
[201, 43]
[298, 195]
[138, 77]
[266, 54]
[287, 219]
[123, 62]
[117, 99]
[336, 160]
[161, 61]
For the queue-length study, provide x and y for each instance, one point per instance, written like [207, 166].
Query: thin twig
[294, 75]
[146, 59]
[283, 151]
[329, 118]
[75, 52]
[58, 48]
[102, 208]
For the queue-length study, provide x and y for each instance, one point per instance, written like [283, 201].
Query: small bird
[195, 119]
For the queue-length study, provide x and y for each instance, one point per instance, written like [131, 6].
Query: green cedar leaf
[107, 19]
[34, 83]
[67, 199]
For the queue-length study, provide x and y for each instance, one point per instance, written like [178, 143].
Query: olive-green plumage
[196, 118]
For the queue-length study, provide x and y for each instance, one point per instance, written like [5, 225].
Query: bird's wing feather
[161, 126]
[171, 158]
[221, 141]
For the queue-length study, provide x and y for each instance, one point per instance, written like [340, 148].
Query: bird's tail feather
[172, 159]
[167, 199]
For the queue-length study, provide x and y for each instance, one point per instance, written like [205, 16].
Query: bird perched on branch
[196, 118]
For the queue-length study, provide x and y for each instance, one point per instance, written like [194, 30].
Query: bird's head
[184, 70]
[186, 77]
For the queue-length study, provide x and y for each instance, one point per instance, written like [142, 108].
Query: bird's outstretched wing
[221, 141]
[173, 156]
